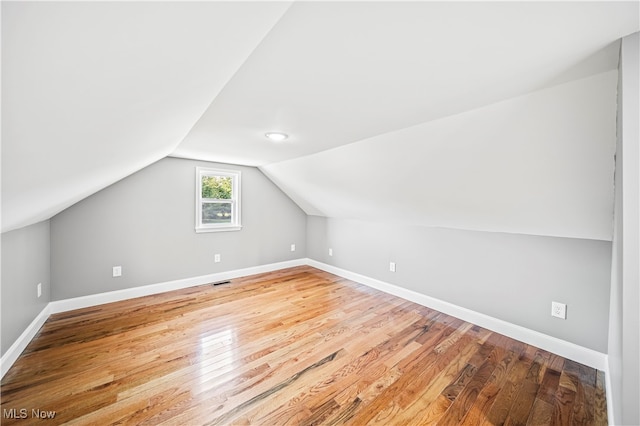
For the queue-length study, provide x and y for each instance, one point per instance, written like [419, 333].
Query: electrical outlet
[559, 310]
[330, 252]
[39, 289]
[216, 258]
[117, 271]
[293, 247]
[392, 266]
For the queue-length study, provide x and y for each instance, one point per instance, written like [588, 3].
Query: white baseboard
[552, 344]
[12, 354]
[57, 306]
[147, 290]
[560, 347]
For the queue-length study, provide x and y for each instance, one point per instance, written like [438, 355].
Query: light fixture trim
[276, 136]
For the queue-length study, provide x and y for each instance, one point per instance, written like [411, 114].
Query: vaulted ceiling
[491, 116]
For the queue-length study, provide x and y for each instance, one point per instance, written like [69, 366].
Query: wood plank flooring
[297, 346]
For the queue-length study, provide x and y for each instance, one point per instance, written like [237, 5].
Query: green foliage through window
[217, 187]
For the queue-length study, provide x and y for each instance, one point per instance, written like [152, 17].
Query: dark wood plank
[486, 398]
[600, 402]
[549, 385]
[541, 413]
[563, 406]
[465, 400]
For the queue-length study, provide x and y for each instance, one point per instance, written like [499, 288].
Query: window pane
[216, 187]
[213, 213]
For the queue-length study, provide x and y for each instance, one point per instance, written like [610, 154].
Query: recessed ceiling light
[276, 136]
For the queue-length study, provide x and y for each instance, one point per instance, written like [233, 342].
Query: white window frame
[235, 224]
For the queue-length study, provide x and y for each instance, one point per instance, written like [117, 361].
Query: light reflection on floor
[218, 355]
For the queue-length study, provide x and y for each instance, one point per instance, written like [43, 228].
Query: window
[217, 200]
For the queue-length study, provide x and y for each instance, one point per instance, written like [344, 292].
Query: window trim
[235, 201]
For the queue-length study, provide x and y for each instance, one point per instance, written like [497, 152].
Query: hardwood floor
[298, 346]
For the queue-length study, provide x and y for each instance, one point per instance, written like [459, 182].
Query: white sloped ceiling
[94, 91]
[333, 73]
[467, 108]
[539, 164]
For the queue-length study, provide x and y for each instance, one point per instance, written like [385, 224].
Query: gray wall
[25, 263]
[624, 321]
[507, 276]
[145, 223]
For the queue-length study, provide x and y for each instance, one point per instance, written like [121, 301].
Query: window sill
[218, 229]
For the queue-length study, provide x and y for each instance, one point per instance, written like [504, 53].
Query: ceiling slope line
[537, 164]
[414, 126]
[242, 64]
[97, 119]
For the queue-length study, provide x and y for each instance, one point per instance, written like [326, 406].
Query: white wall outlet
[330, 252]
[293, 247]
[39, 289]
[392, 266]
[216, 258]
[117, 271]
[559, 310]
